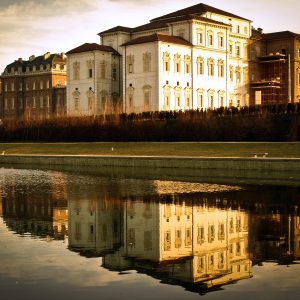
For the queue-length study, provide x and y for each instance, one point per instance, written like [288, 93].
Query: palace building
[199, 57]
[34, 89]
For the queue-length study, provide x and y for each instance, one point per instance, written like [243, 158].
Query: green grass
[204, 149]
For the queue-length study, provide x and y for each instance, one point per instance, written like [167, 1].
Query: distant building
[30, 88]
[94, 80]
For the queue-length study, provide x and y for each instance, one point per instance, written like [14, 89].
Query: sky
[34, 27]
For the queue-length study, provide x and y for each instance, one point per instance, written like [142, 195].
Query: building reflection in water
[40, 213]
[200, 240]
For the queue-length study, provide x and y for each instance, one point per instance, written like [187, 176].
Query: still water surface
[72, 236]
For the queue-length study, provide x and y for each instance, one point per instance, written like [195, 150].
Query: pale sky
[30, 27]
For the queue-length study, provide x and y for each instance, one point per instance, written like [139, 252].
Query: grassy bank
[198, 149]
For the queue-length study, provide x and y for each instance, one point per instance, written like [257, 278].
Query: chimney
[20, 59]
[260, 30]
[31, 58]
[46, 55]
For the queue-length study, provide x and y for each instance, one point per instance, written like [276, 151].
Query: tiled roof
[163, 24]
[151, 26]
[158, 37]
[281, 35]
[116, 29]
[37, 61]
[92, 47]
[197, 9]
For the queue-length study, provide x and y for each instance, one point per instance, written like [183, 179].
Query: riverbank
[220, 170]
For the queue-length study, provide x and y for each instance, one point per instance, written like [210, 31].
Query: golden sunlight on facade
[199, 57]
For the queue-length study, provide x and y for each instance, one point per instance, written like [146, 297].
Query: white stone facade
[184, 61]
[93, 84]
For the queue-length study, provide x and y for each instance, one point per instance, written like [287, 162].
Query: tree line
[253, 123]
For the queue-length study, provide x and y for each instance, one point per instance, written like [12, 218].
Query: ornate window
[230, 47]
[166, 59]
[91, 102]
[187, 64]
[187, 96]
[231, 73]
[103, 67]
[199, 37]
[33, 102]
[41, 101]
[177, 63]
[167, 94]
[211, 98]
[76, 70]
[200, 97]
[146, 61]
[220, 40]
[221, 94]
[90, 64]
[147, 97]
[238, 74]
[177, 93]
[130, 94]
[130, 63]
[76, 100]
[221, 68]
[238, 49]
[200, 65]
[211, 66]
[210, 38]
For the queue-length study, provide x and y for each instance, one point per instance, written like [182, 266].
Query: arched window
[76, 101]
[177, 94]
[210, 38]
[130, 99]
[211, 67]
[146, 61]
[167, 95]
[166, 60]
[200, 98]
[187, 64]
[221, 95]
[211, 98]
[147, 97]
[187, 96]
[200, 65]
[177, 63]
[221, 68]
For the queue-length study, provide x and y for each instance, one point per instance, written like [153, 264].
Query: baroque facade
[34, 89]
[93, 80]
[193, 58]
[202, 57]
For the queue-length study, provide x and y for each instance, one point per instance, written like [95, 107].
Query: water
[73, 236]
